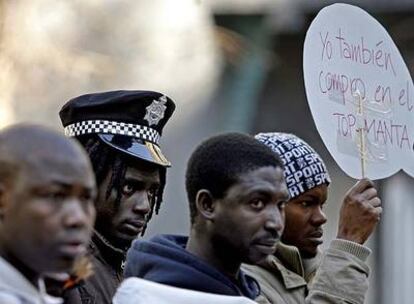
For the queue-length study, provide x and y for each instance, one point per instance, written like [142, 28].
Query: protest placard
[360, 93]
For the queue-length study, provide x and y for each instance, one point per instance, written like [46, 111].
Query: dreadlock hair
[104, 158]
[218, 162]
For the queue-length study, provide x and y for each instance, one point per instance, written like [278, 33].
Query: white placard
[360, 93]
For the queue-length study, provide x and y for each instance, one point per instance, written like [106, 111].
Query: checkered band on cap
[112, 127]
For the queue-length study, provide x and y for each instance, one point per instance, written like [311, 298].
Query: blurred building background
[230, 65]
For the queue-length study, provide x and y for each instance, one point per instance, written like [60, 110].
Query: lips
[267, 246]
[73, 248]
[133, 227]
[316, 234]
[268, 242]
[316, 237]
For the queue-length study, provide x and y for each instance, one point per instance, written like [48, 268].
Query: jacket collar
[288, 262]
[164, 259]
[14, 282]
[290, 257]
[112, 255]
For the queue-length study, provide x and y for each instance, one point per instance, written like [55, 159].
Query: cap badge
[155, 111]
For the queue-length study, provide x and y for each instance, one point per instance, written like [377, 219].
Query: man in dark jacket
[120, 130]
[237, 196]
[236, 193]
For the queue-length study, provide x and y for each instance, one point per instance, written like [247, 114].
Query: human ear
[205, 204]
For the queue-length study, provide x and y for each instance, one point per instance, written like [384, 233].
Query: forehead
[318, 193]
[143, 171]
[57, 168]
[263, 173]
[265, 179]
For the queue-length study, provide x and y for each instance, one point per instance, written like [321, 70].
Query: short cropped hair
[217, 163]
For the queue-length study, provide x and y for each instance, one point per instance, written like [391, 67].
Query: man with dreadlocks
[120, 131]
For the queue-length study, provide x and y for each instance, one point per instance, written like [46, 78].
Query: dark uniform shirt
[108, 263]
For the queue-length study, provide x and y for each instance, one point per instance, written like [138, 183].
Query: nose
[275, 221]
[78, 215]
[142, 203]
[318, 217]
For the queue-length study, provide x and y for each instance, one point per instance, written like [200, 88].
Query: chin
[64, 264]
[308, 254]
[124, 240]
[255, 258]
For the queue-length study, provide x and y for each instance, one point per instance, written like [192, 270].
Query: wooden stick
[361, 135]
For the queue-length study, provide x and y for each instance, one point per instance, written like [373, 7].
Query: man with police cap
[120, 131]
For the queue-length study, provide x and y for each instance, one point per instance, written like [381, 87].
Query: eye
[128, 189]
[87, 197]
[53, 195]
[151, 193]
[257, 204]
[305, 204]
[282, 205]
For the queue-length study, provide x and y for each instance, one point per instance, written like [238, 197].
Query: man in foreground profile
[47, 190]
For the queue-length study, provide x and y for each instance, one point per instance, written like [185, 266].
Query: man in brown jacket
[120, 130]
[285, 276]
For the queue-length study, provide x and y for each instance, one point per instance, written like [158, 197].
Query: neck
[27, 272]
[310, 265]
[203, 247]
[101, 227]
[113, 244]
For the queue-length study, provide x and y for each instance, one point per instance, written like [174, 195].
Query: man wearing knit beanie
[284, 277]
